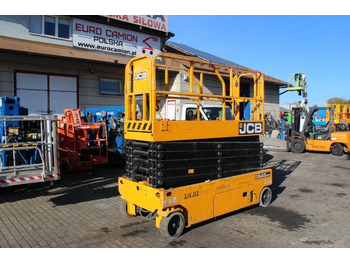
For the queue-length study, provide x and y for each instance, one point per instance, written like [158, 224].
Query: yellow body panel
[201, 201]
[184, 130]
[325, 145]
[318, 145]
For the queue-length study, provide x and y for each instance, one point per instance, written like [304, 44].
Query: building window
[63, 28]
[50, 25]
[35, 24]
[110, 86]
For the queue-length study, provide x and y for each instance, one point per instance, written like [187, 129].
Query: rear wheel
[337, 149]
[265, 197]
[297, 145]
[173, 225]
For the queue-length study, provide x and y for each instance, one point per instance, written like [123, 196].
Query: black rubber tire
[297, 145]
[123, 205]
[343, 127]
[265, 197]
[173, 225]
[337, 149]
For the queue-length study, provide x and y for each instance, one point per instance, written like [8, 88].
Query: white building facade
[57, 62]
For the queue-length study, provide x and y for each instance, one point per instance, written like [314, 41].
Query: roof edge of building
[18, 45]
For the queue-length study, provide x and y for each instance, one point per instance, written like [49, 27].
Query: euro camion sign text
[95, 36]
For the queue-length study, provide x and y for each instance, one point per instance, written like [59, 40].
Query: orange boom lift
[81, 144]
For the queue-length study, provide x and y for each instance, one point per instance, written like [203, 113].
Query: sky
[279, 46]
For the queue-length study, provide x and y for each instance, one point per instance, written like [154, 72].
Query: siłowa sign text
[157, 22]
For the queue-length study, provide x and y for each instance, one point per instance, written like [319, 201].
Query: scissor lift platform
[184, 171]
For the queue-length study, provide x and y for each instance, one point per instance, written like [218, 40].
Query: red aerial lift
[81, 144]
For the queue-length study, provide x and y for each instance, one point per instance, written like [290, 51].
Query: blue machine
[15, 132]
[319, 118]
[9, 106]
[113, 116]
[283, 128]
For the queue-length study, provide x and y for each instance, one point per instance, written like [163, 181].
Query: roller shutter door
[46, 93]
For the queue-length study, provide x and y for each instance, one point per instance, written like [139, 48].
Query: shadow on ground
[72, 188]
[280, 171]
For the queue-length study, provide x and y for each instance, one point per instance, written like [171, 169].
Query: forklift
[318, 133]
[181, 172]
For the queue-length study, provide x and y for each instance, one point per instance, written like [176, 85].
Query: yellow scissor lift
[182, 172]
[341, 116]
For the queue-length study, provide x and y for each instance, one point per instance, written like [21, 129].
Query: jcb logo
[250, 128]
[140, 76]
[263, 175]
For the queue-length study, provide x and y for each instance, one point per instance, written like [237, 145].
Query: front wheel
[265, 197]
[337, 149]
[123, 208]
[173, 225]
[297, 145]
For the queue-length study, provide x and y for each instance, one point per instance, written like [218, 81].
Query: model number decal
[190, 195]
[262, 175]
[250, 128]
[140, 76]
